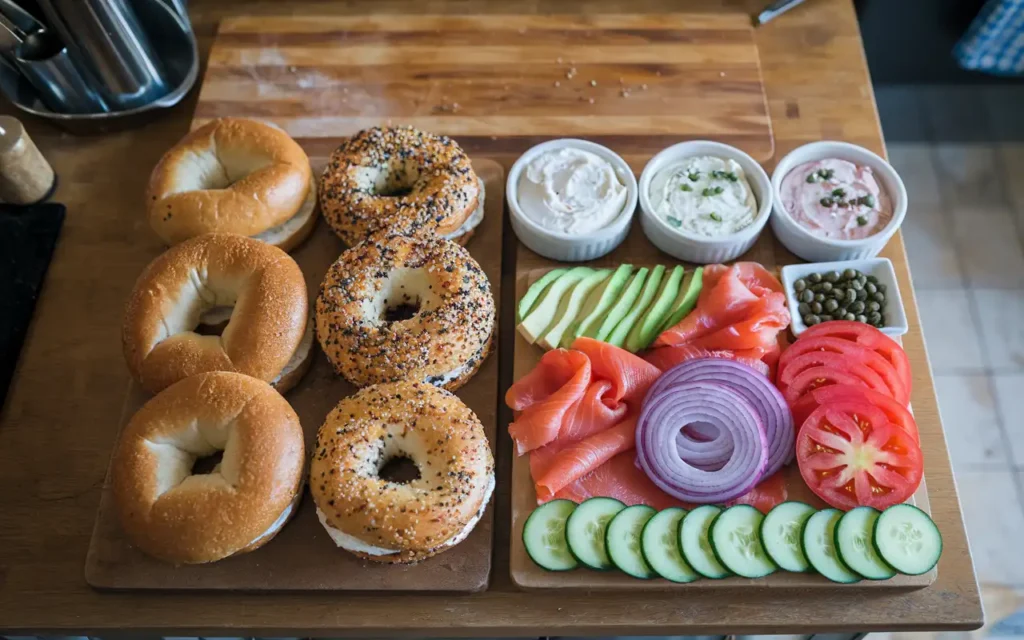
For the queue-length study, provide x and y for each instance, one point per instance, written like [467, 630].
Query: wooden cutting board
[639, 251]
[498, 83]
[302, 557]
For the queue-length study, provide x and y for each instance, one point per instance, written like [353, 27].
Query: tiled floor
[964, 169]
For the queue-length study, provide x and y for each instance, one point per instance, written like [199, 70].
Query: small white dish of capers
[860, 290]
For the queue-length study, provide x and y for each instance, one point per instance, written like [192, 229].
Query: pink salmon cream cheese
[836, 199]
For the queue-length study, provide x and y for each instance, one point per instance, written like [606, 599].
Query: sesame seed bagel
[387, 521]
[257, 287]
[233, 175]
[172, 513]
[405, 308]
[400, 179]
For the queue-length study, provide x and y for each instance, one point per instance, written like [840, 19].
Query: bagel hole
[213, 321]
[399, 469]
[207, 464]
[401, 310]
[397, 180]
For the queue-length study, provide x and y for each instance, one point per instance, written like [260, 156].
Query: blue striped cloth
[994, 43]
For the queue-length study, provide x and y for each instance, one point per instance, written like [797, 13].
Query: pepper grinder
[25, 175]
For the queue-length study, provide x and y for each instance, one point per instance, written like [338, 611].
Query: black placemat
[28, 236]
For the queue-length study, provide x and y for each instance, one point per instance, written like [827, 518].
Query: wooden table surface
[60, 417]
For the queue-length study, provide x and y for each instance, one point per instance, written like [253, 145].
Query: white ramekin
[809, 246]
[566, 247]
[700, 249]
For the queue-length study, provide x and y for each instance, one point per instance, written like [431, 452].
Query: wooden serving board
[302, 557]
[639, 251]
[498, 83]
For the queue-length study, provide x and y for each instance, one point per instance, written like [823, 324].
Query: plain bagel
[174, 514]
[403, 180]
[258, 287]
[405, 308]
[234, 175]
[386, 521]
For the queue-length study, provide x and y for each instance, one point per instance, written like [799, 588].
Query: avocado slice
[535, 290]
[543, 314]
[618, 337]
[602, 329]
[598, 303]
[644, 331]
[687, 300]
[569, 308]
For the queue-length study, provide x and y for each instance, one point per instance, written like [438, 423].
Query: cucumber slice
[660, 545]
[855, 543]
[695, 545]
[736, 540]
[623, 541]
[780, 535]
[907, 539]
[533, 293]
[819, 546]
[586, 528]
[544, 536]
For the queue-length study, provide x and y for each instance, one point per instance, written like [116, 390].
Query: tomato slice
[803, 354]
[835, 370]
[850, 455]
[869, 337]
[894, 411]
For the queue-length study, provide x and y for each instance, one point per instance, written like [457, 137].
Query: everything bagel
[403, 180]
[177, 515]
[258, 287]
[394, 522]
[234, 175]
[405, 308]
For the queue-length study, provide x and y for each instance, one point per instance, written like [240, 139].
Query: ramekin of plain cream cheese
[571, 200]
[704, 201]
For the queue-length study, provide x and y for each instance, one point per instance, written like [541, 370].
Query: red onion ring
[672, 404]
[769, 403]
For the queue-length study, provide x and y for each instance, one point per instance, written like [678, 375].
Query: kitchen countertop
[60, 420]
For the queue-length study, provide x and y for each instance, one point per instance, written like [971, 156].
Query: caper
[878, 297]
[826, 317]
[816, 307]
[803, 308]
[856, 285]
[819, 297]
[849, 274]
[831, 305]
[849, 316]
[851, 296]
[810, 321]
[861, 295]
[870, 288]
[862, 279]
[825, 287]
[831, 276]
[806, 295]
[862, 318]
[881, 287]
[857, 307]
[814, 278]
[875, 318]
[799, 285]
[816, 287]
[872, 279]
[874, 306]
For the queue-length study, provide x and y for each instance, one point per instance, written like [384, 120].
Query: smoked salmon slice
[621, 479]
[741, 308]
[545, 396]
[555, 466]
[630, 375]
[767, 494]
[667, 357]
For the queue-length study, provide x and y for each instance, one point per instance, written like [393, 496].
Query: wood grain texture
[637, 250]
[637, 82]
[302, 557]
[62, 412]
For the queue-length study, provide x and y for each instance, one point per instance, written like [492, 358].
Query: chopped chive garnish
[839, 193]
[812, 178]
[714, 216]
[693, 176]
[861, 221]
[827, 202]
[685, 187]
[866, 200]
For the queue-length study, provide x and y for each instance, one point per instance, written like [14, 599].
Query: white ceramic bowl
[566, 247]
[699, 249]
[809, 246]
[895, 316]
